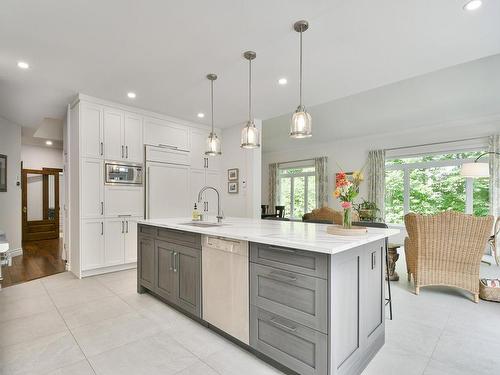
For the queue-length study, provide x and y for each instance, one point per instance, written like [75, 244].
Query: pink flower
[346, 205]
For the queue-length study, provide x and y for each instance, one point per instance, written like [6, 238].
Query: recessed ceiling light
[131, 95]
[473, 5]
[282, 81]
[200, 115]
[23, 65]
[48, 143]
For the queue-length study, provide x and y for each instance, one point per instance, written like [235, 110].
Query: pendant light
[300, 125]
[213, 142]
[250, 137]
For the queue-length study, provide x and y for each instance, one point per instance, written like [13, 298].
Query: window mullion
[406, 191]
[305, 193]
[292, 196]
[469, 196]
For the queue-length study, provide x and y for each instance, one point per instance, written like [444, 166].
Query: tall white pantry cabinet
[103, 218]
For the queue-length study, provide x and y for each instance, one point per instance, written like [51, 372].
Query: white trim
[15, 252]
[90, 99]
[100, 271]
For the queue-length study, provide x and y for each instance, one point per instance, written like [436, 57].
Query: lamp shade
[475, 170]
[250, 137]
[213, 145]
[301, 124]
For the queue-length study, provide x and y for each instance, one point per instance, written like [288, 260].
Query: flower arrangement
[346, 190]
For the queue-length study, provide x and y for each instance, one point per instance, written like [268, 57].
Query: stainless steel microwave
[123, 174]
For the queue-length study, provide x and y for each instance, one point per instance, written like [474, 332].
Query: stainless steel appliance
[225, 285]
[123, 174]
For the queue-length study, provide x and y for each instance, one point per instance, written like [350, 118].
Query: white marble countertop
[298, 235]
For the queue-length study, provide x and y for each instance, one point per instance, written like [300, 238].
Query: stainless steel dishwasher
[225, 286]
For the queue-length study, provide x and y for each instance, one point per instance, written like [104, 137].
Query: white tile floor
[100, 325]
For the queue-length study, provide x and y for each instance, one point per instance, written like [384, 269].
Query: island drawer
[189, 239]
[147, 230]
[300, 298]
[297, 347]
[305, 262]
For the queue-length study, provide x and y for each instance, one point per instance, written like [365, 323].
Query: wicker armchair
[326, 215]
[446, 249]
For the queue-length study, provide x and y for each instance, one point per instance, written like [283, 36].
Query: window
[297, 190]
[429, 184]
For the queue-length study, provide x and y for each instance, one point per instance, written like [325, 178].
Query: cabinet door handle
[127, 226]
[207, 162]
[374, 260]
[122, 151]
[101, 148]
[102, 208]
[123, 227]
[281, 249]
[171, 261]
[102, 228]
[176, 260]
[281, 276]
[126, 152]
[284, 326]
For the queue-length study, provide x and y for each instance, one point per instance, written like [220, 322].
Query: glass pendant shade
[250, 136]
[301, 124]
[213, 145]
[213, 142]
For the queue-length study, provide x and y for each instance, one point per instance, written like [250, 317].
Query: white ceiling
[468, 92]
[162, 50]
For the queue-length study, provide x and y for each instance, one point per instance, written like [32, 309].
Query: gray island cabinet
[311, 312]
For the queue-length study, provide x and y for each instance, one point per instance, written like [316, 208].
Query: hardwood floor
[40, 258]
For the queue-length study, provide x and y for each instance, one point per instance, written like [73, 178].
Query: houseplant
[346, 190]
[367, 211]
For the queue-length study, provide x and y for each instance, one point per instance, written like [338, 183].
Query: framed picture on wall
[233, 174]
[232, 187]
[3, 172]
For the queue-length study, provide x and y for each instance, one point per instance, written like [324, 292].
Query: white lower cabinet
[114, 237]
[121, 240]
[131, 240]
[92, 234]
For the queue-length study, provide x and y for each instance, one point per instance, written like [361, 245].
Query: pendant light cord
[300, 71]
[212, 100]
[250, 90]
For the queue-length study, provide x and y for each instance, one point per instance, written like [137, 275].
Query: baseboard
[100, 271]
[16, 252]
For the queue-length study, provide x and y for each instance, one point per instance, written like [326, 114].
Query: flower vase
[347, 221]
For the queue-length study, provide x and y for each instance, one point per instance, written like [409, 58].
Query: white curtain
[321, 170]
[376, 179]
[494, 142]
[273, 185]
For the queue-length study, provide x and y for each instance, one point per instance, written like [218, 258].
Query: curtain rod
[435, 143]
[295, 161]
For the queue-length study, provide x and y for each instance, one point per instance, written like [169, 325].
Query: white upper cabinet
[198, 141]
[165, 133]
[122, 136]
[199, 160]
[91, 131]
[132, 133]
[92, 183]
[113, 134]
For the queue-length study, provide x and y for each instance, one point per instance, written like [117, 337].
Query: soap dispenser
[196, 213]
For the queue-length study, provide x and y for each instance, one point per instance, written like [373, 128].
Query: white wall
[10, 201]
[247, 202]
[35, 157]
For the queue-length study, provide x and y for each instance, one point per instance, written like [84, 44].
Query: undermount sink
[202, 224]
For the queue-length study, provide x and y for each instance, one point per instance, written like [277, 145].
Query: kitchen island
[314, 302]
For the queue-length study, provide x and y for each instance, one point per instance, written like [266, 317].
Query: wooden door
[40, 204]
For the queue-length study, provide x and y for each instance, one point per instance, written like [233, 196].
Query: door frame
[45, 172]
